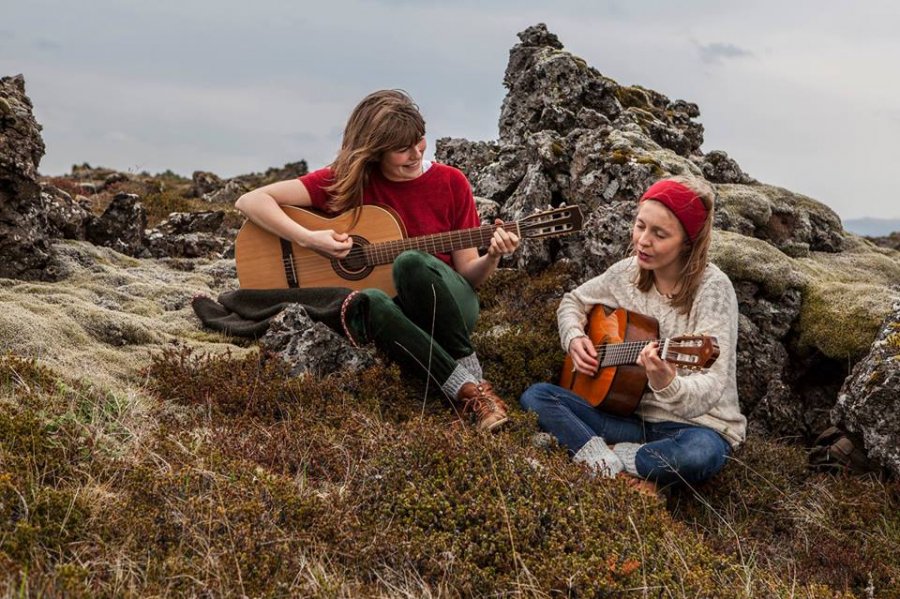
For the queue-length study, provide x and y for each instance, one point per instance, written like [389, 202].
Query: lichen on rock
[869, 400]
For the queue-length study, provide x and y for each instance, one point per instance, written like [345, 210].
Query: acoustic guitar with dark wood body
[265, 261]
[619, 335]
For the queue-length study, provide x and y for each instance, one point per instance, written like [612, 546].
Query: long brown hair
[696, 253]
[383, 121]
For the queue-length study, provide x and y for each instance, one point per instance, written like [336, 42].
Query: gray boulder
[718, 167]
[312, 347]
[121, 227]
[227, 194]
[25, 250]
[203, 183]
[793, 223]
[869, 401]
[190, 235]
[67, 217]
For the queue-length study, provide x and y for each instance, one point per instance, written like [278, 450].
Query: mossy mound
[845, 294]
[748, 259]
[106, 317]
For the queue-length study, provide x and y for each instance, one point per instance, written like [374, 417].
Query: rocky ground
[97, 272]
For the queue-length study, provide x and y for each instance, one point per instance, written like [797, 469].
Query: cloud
[46, 45]
[717, 52]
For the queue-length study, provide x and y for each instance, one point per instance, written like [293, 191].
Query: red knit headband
[684, 203]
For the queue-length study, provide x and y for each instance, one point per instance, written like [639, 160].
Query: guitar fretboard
[621, 354]
[439, 243]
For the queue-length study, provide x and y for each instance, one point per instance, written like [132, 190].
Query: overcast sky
[803, 94]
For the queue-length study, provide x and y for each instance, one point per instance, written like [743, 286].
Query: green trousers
[428, 326]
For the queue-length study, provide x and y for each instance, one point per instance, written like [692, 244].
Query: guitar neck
[438, 243]
[623, 354]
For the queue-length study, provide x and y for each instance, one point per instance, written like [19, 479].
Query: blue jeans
[673, 452]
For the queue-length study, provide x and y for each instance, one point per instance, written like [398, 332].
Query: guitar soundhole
[354, 266]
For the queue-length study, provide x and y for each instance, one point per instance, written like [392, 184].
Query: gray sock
[459, 377]
[596, 454]
[627, 453]
[472, 364]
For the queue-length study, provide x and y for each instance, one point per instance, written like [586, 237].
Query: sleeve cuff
[571, 334]
[669, 391]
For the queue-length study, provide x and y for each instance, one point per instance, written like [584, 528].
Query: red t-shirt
[437, 201]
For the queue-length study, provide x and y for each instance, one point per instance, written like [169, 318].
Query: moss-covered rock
[747, 259]
[845, 294]
[106, 317]
[790, 221]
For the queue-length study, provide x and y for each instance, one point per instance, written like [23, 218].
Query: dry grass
[224, 477]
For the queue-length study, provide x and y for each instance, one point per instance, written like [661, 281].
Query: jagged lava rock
[121, 227]
[312, 347]
[25, 250]
[869, 401]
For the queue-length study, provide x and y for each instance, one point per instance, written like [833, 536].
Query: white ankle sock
[596, 454]
[627, 452]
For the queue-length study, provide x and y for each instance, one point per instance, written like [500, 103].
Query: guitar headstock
[551, 223]
[695, 352]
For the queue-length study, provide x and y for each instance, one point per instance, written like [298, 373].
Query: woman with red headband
[687, 423]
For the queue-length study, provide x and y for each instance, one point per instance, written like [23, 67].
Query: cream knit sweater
[707, 398]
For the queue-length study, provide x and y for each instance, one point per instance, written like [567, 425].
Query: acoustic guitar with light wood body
[265, 261]
[619, 335]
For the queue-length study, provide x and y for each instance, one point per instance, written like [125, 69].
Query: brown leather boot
[487, 409]
[643, 486]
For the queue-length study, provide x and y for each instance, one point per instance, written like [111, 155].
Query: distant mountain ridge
[872, 227]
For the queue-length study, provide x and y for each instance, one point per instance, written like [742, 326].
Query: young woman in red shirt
[427, 326]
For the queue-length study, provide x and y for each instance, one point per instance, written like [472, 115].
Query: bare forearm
[478, 271]
[263, 210]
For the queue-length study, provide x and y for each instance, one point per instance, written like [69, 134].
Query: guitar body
[265, 261]
[614, 389]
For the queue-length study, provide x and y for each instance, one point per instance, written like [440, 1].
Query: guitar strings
[381, 253]
[627, 352]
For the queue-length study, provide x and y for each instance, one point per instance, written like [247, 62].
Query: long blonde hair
[696, 252]
[383, 121]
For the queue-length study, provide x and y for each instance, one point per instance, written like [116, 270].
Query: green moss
[840, 319]
[892, 341]
[633, 97]
[619, 157]
[748, 259]
[162, 203]
[847, 296]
